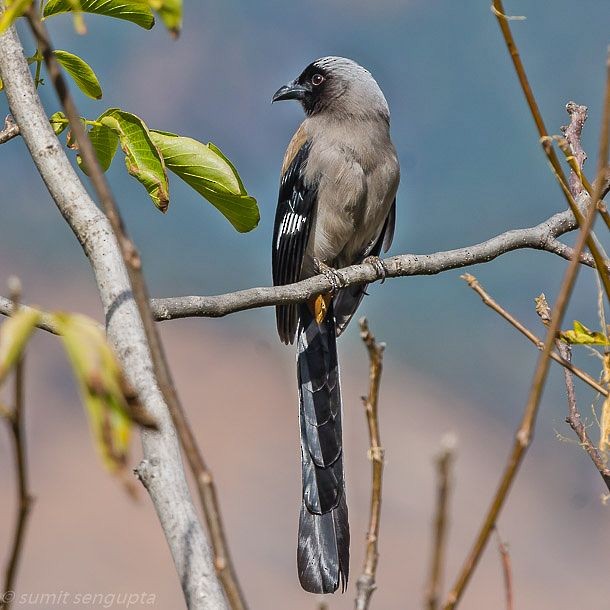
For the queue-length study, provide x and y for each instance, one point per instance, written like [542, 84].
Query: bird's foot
[379, 266]
[332, 275]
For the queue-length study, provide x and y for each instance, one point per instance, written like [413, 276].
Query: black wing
[293, 219]
[348, 299]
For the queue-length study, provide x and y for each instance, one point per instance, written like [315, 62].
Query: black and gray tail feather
[323, 543]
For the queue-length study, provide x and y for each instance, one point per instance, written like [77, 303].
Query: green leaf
[58, 121]
[81, 73]
[581, 335]
[105, 142]
[143, 159]
[14, 335]
[129, 10]
[170, 12]
[12, 11]
[211, 174]
[101, 385]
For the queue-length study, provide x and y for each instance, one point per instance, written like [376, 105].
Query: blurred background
[471, 168]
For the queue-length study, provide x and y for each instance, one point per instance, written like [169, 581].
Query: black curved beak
[291, 91]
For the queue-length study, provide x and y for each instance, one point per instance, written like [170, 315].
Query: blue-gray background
[471, 167]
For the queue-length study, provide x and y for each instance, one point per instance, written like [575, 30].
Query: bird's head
[336, 86]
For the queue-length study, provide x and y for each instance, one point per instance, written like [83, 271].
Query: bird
[336, 207]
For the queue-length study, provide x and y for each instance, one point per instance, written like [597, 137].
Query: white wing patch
[292, 223]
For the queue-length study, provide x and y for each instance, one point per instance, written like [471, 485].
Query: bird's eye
[317, 79]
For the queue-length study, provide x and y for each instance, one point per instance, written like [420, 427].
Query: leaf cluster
[148, 153]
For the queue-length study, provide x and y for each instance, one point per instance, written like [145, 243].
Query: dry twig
[365, 585]
[15, 418]
[444, 462]
[131, 257]
[490, 302]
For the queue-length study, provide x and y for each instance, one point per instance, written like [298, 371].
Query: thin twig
[444, 462]
[573, 418]
[10, 130]
[507, 570]
[133, 263]
[525, 432]
[574, 421]
[365, 585]
[490, 302]
[16, 421]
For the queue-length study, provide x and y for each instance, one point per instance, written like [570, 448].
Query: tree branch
[133, 263]
[540, 237]
[9, 131]
[166, 480]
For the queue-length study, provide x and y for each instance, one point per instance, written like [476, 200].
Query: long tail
[323, 545]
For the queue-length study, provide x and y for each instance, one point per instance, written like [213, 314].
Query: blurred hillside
[471, 168]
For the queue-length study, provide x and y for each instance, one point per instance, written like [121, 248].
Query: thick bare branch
[162, 373]
[166, 481]
[540, 237]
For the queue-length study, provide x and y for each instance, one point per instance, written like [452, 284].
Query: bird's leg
[379, 266]
[332, 275]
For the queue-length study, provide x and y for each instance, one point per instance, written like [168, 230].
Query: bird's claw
[332, 275]
[379, 266]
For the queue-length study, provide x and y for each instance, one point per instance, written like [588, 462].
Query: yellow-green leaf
[58, 121]
[129, 10]
[581, 335]
[211, 174]
[143, 159]
[81, 72]
[105, 142]
[101, 385]
[14, 335]
[170, 12]
[12, 11]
